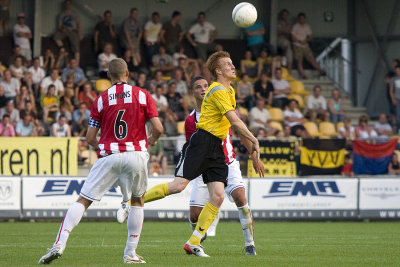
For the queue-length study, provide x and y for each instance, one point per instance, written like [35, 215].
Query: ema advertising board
[52, 196]
[380, 198]
[303, 198]
[10, 197]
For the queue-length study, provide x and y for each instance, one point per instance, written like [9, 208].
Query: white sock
[134, 224]
[247, 224]
[193, 225]
[212, 230]
[71, 219]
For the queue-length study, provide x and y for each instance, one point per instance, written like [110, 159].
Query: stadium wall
[316, 198]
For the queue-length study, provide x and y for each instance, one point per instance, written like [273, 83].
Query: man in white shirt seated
[383, 128]
[259, 117]
[61, 128]
[281, 90]
[316, 105]
[295, 120]
[52, 79]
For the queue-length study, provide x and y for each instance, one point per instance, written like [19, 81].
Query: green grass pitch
[161, 244]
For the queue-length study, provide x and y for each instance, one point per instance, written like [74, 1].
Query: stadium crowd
[51, 95]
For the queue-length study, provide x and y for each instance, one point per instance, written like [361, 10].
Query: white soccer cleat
[195, 250]
[130, 260]
[52, 254]
[251, 250]
[123, 212]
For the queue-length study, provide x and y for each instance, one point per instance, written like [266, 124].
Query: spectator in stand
[3, 98]
[284, 37]
[264, 89]
[10, 85]
[87, 96]
[64, 111]
[158, 161]
[151, 36]
[316, 105]
[335, 106]
[37, 74]
[49, 60]
[161, 101]
[104, 33]
[132, 33]
[61, 128]
[383, 128]
[76, 71]
[179, 53]
[364, 131]
[301, 36]
[16, 53]
[141, 81]
[162, 61]
[295, 120]
[190, 68]
[18, 70]
[62, 59]
[347, 169]
[255, 38]
[176, 111]
[261, 133]
[6, 128]
[281, 90]
[80, 119]
[394, 165]
[388, 78]
[158, 81]
[265, 63]
[245, 95]
[104, 59]
[204, 35]
[259, 117]
[395, 94]
[181, 85]
[248, 65]
[4, 15]
[10, 110]
[50, 104]
[54, 80]
[171, 33]
[26, 127]
[69, 26]
[22, 35]
[347, 131]
[29, 108]
[132, 62]
[25, 96]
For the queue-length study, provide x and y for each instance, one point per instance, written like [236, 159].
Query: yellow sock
[206, 217]
[156, 192]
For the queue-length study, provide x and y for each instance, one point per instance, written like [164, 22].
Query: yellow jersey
[217, 101]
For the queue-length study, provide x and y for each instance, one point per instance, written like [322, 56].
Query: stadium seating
[338, 125]
[102, 85]
[297, 87]
[286, 76]
[276, 125]
[299, 100]
[276, 114]
[311, 128]
[327, 129]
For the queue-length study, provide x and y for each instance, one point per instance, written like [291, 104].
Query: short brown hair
[117, 68]
[212, 62]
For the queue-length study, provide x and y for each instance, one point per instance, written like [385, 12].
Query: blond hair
[117, 68]
[213, 62]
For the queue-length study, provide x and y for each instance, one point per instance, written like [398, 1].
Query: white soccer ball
[244, 15]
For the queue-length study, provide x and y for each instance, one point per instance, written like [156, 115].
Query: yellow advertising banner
[38, 156]
[278, 159]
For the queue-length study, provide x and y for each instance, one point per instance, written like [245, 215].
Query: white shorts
[200, 195]
[127, 170]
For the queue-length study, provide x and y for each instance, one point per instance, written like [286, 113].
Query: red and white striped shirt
[121, 112]
[190, 128]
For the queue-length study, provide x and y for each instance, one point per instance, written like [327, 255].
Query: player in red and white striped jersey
[120, 112]
[234, 188]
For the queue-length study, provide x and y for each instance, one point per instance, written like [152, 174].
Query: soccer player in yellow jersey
[203, 153]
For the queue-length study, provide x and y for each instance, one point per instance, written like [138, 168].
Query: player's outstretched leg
[71, 219]
[162, 190]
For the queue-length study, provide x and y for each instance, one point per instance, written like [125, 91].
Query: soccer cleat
[123, 212]
[251, 250]
[195, 250]
[52, 254]
[130, 260]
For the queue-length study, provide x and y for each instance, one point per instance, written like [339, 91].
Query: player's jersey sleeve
[151, 110]
[97, 107]
[221, 100]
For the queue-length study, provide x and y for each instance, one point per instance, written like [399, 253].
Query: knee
[217, 199]
[193, 218]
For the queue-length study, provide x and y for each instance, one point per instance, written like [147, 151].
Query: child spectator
[6, 128]
[394, 165]
[61, 128]
[347, 169]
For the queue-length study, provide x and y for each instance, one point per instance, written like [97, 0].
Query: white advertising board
[10, 196]
[311, 197]
[380, 198]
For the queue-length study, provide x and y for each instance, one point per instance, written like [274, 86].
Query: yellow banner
[274, 167]
[38, 156]
[322, 159]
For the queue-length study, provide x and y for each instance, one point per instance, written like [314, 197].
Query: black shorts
[203, 154]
